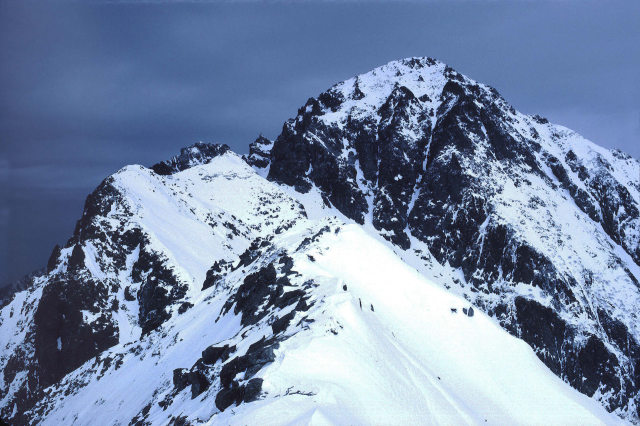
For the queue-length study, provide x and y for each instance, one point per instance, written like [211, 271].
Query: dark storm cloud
[86, 89]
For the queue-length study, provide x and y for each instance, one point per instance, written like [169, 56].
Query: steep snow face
[524, 218]
[140, 253]
[387, 347]
[325, 325]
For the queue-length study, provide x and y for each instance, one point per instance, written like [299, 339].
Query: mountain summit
[410, 249]
[531, 220]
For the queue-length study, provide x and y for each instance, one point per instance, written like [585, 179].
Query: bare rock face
[71, 326]
[259, 151]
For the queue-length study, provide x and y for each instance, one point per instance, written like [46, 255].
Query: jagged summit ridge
[423, 77]
[370, 136]
[199, 153]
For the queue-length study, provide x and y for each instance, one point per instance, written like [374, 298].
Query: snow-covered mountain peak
[419, 79]
[522, 214]
[356, 269]
[424, 77]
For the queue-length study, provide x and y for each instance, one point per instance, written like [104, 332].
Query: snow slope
[387, 350]
[403, 357]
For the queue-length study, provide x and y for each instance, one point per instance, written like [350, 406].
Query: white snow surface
[403, 357]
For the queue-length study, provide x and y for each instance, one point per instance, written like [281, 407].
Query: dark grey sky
[88, 88]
